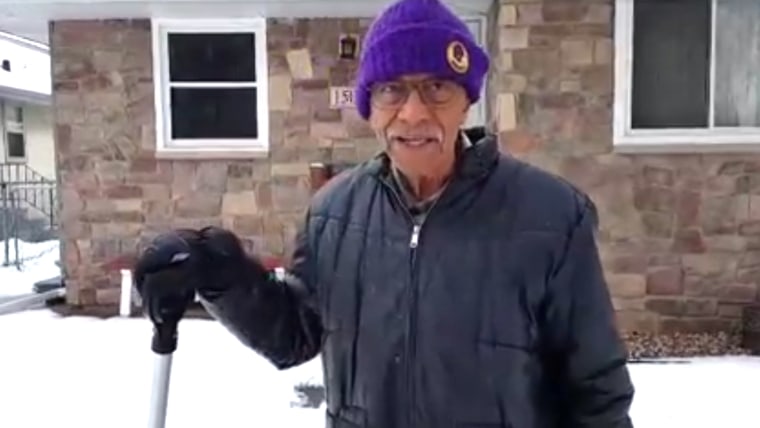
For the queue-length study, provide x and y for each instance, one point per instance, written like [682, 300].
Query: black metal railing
[28, 208]
[30, 190]
[14, 172]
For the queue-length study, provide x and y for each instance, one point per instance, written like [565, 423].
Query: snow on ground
[38, 263]
[705, 393]
[83, 372]
[90, 373]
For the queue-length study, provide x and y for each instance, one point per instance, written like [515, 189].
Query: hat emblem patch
[457, 57]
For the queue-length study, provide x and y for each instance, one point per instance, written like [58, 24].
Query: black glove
[226, 263]
[167, 274]
[178, 264]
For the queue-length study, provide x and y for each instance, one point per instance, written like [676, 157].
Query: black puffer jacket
[497, 316]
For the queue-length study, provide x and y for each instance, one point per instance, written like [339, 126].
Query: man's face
[419, 118]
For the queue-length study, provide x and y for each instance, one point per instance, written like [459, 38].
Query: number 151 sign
[341, 97]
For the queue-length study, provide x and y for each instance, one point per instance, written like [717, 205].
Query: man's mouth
[414, 140]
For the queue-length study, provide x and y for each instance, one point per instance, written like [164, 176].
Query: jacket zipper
[414, 242]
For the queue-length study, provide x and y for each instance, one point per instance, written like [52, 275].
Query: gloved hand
[167, 274]
[180, 263]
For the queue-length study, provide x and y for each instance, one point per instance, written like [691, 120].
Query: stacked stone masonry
[679, 236]
[117, 195]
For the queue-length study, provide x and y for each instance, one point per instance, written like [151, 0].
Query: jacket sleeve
[275, 317]
[590, 358]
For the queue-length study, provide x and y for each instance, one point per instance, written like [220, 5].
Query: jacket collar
[473, 164]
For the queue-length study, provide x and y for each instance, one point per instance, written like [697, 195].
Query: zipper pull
[415, 237]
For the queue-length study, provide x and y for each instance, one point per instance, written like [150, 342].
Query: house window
[211, 86]
[686, 75]
[15, 141]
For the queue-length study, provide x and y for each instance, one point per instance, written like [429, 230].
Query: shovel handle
[160, 392]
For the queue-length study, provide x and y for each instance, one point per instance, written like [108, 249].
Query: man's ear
[466, 110]
[467, 105]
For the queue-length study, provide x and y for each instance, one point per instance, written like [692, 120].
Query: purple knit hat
[419, 36]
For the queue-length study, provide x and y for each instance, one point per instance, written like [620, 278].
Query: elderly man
[444, 283]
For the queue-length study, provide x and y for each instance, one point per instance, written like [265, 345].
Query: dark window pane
[214, 113]
[671, 57]
[16, 145]
[228, 57]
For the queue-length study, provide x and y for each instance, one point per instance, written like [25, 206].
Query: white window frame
[15, 127]
[165, 145]
[627, 140]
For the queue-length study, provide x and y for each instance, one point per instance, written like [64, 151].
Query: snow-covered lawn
[38, 263]
[89, 373]
[705, 393]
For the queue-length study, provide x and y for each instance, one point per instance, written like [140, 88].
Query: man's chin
[417, 160]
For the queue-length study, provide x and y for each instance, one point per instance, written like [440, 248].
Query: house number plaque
[341, 97]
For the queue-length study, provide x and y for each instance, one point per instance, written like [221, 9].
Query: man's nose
[414, 110]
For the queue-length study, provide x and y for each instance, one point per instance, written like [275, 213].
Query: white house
[26, 129]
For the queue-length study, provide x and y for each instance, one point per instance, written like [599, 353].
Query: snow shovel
[165, 312]
[161, 375]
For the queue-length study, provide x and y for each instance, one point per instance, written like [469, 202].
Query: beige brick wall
[116, 194]
[680, 234]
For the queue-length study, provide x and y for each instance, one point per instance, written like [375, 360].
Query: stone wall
[116, 194]
[680, 234]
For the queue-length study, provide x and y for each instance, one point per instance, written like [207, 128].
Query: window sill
[687, 143]
[221, 154]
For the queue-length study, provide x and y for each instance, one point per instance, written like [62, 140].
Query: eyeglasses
[392, 95]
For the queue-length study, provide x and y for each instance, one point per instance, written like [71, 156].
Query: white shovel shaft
[125, 303]
[160, 391]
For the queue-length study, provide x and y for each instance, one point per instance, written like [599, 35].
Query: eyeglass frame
[413, 86]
